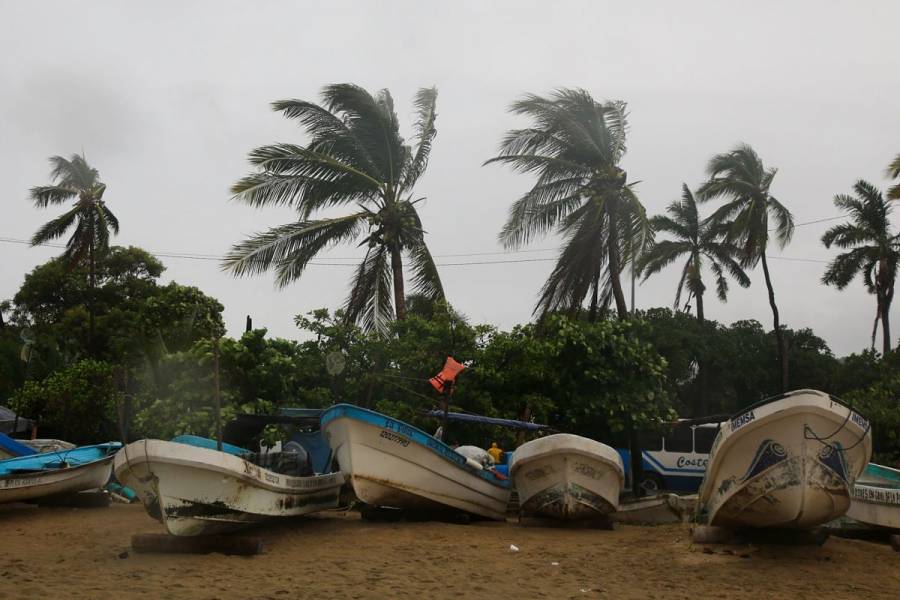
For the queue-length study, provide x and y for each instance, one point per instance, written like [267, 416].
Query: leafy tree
[77, 403]
[743, 181]
[698, 240]
[74, 179]
[874, 251]
[574, 147]
[355, 157]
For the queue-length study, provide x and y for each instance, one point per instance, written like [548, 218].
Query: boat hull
[392, 464]
[25, 487]
[197, 491]
[567, 477]
[876, 498]
[788, 463]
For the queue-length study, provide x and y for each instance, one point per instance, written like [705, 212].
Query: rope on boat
[811, 435]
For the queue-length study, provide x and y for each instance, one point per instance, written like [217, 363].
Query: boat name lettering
[878, 495]
[393, 437]
[272, 477]
[859, 420]
[445, 451]
[398, 427]
[738, 422]
[691, 462]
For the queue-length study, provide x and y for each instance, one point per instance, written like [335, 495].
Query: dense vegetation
[93, 346]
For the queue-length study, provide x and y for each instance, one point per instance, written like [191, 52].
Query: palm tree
[743, 181]
[74, 179]
[574, 147]
[893, 172]
[355, 157]
[699, 240]
[875, 251]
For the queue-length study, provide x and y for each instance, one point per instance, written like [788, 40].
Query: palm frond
[370, 302]
[45, 195]
[424, 133]
[289, 248]
[55, 228]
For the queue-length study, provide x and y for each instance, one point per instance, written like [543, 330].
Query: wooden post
[217, 393]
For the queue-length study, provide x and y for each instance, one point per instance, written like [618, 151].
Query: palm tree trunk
[779, 335]
[92, 282]
[886, 326]
[700, 307]
[613, 249]
[595, 293]
[399, 291]
[700, 406]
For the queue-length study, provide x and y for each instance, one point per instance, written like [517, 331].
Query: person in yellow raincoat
[495, 452]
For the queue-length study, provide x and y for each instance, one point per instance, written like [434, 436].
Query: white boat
[567, 476]
[38, 476]
[787, 462]
[198, 491]
[392, 464]
[876, 497]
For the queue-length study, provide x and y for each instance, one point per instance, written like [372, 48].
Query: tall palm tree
[874, 251]
[355, 157]
[743, 181]
[893, 172]
[574, 147]
[699, 240]
[74, 179]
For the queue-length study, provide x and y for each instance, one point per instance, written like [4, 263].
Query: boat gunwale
[40, 472]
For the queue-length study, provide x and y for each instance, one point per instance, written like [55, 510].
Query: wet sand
[56, 553]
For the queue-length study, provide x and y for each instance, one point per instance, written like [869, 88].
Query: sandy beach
[85, 553]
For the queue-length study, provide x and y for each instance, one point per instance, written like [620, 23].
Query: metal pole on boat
[445, 400]
[218, 396]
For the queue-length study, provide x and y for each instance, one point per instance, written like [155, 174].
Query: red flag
[444, 380]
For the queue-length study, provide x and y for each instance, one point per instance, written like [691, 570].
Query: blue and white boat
[787, 462]
[876, 497]
[392, 464]
[40, 475]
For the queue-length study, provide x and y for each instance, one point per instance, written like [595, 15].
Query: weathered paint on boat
[199, 491]
[876, 497]
[392, 464]
[789, 462]
[566, 476]
[38, 476]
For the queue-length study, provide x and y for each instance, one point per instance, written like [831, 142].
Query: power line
[327, 260]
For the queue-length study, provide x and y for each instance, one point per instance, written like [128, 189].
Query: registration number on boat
[393, 437]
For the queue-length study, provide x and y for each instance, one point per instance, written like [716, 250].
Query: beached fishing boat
[876, 497]
[392, 464]
[566, 476]
[194, 489]
[787, 462]
[43, 475]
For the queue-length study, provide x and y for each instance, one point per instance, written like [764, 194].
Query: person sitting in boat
[496, 453]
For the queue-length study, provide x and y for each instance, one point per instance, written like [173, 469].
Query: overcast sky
[167, 98]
